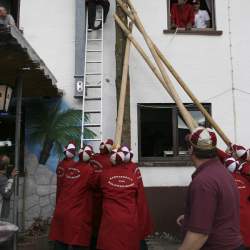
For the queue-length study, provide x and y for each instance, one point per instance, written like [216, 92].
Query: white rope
[232, 70]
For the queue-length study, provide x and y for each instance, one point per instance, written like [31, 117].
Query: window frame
[209, 31]
[175, 160]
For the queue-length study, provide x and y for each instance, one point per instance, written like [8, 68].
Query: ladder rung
[92, 139]
[93, 86]
[99, 19]
[94, 40]
[93, 98]
[93, 73]
[94, 62]
[94, 50]
[92, 125]
[93, 111]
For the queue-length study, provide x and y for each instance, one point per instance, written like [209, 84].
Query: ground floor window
[162, 130]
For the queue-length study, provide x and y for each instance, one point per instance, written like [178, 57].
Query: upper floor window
[191, 16]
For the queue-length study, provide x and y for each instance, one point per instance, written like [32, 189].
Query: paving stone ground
[161, 244]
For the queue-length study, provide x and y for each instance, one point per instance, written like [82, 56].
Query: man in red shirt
[68, 161]
[71, 225]
[212, 216]
[99, 163]
[182, 15]
[145, 220]
[119, 228]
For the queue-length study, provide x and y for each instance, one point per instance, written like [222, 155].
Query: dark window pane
[156, 131]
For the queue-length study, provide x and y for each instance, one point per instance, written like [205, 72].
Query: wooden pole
[179, 79]
[193, 97]
[122, 99]
[191, 123]
[141, 51]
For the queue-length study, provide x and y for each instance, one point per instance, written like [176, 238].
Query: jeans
[92, 10]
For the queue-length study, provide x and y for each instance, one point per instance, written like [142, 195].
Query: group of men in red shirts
[237, 161]
[100, 201]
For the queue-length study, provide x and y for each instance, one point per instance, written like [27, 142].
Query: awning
[16, 55]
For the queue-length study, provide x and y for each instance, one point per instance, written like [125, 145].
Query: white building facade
[215, 65]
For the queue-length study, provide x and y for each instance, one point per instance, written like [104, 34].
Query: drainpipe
[79, 46]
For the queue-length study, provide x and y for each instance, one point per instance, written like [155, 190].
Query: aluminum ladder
[93, 83]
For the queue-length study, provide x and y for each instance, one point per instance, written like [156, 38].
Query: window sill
[163, 162]
[203, 32]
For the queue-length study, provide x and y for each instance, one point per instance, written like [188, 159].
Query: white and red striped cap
[117, 157]
[203, 138]
[106, 147]
[128, 154]
[231, 164]
[86, 153]
[70, 150]
[240, 152]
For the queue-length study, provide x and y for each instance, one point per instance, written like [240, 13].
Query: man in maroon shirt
[212, 219]
[182, 15]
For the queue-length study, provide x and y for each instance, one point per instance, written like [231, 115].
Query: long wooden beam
[122, 99]
[191, 123]
[178, 78]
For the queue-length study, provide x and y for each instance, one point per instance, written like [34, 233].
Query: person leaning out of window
[202, 18]
[6, 20]
[182, 15]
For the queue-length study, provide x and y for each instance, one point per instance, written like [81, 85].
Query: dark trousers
[62, 246]
[92, 10]
[144, 245]
[94, 241]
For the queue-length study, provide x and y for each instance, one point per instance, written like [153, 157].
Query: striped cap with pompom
[240, 152]
[86, 153]
[128, 153]
[231, 164]
[203, 138]
[117, 157]
[70, 150]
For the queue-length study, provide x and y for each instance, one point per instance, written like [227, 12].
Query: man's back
[213, 207]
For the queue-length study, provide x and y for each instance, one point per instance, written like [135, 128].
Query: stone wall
[39, 191]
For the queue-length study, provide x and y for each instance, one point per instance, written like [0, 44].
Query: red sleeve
[203, 203]
[173, 14]
[191, 15]
[145, 221]
[222, 155]
[58, 182]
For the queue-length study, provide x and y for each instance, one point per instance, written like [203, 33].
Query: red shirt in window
[213, 207]
[182, 15]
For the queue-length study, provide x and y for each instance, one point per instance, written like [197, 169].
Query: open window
[192, 17]
[162, 131]
[13, 7]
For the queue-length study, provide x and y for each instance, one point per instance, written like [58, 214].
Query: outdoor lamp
[5, 96]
